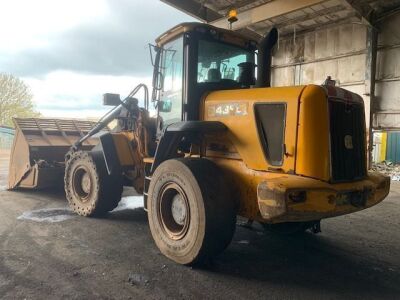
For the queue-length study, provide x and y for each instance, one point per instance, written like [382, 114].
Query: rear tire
[90, 190]
[192, 217]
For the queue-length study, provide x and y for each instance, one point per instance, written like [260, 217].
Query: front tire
[90, 190]
[192, 217]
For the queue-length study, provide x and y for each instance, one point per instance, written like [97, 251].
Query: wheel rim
[82, 183]
[173, 211]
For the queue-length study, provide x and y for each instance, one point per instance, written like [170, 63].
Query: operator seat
[213, 75]
[247, 74]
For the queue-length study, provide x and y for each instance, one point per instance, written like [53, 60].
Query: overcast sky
[70, 52]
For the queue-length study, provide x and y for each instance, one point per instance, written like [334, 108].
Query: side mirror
[164, 106]
[111, 99]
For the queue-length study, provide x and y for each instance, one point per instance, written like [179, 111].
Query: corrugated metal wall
[388, 76]
[393, 147]
[6, 137]
[340, 51]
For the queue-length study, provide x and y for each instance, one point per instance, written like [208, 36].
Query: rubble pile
[388, 168]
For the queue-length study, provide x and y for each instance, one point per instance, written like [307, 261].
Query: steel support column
[370, 80]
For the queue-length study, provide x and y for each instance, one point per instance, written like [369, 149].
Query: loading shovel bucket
[37, 156]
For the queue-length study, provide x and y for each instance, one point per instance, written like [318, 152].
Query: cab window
[218, 62]
[170, 106]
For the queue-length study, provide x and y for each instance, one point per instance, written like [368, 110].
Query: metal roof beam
[194, 9]
[266, 11]
[363, 9]
[310, 16]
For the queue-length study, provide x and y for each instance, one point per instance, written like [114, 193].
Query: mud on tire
[191, 214]
[90, 190]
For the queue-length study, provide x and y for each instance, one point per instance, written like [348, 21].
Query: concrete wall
[340, 51]
[387, 106]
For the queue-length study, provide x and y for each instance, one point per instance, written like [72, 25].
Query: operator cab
[193, 59]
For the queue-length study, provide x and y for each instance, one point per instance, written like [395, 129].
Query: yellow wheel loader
[223, 143]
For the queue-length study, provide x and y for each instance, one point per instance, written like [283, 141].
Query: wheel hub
[86, 183]
[82, 183]
[173, 211]
[178, 208]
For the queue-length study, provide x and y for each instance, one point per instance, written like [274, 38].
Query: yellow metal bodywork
[242, 132]
[130, 152]
[230, 36]
[125, 152]
[261, 189]
[323, 199]
[134, 149]
[313, 159]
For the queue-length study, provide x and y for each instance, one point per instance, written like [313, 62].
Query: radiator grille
[347, 129]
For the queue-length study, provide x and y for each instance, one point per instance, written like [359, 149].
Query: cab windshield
[221, 62]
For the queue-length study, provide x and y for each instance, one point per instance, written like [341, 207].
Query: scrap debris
[388, 168]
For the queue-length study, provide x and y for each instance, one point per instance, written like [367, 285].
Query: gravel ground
[46, 252]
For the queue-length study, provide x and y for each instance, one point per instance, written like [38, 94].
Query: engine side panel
[236, 109]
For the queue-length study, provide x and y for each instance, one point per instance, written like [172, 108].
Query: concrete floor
[48, 253]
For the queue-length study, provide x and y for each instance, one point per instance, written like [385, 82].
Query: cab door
[170, 105]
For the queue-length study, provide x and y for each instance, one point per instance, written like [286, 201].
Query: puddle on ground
[54, 215]
[130, 202]
[50, 215]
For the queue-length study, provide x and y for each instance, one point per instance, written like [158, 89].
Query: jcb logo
[348, 142]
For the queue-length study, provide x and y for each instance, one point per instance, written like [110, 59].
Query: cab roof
[192, 26]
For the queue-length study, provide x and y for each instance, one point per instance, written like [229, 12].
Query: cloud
[26, 24]
[113, 43]
[70, 52]
[69, 94]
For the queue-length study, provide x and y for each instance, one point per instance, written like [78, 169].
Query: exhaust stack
[265, 57]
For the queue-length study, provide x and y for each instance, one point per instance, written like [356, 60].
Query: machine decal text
[227, 109]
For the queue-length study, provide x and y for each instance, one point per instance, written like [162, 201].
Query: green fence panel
[6, 137]
[393, 147]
